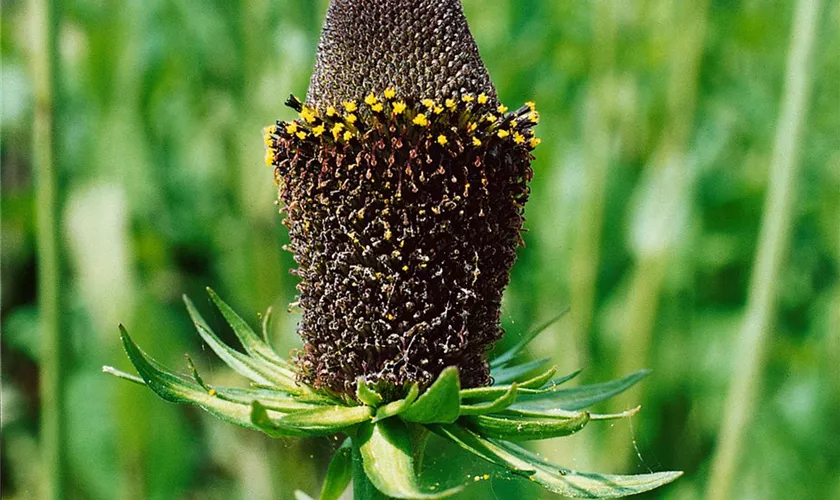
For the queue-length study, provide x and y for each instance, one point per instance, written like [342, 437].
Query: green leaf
[526, 339]
[482, 448]
[339, 472]
[388, 462]
[558, 413]
[300, 495]
[123, 375]
[513, 428]
[577, 398]
[322, 421]
[252, 343]
[271, 399]
[582, 484]
[517, 373]
[440, 403]
[399, 406]
[493, 406]
[242, 364]
[366, 394]
[179, 390]
[479, 394]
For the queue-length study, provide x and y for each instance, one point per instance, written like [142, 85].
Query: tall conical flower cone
[403, 184]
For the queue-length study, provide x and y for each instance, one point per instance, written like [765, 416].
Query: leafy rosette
[526, 402]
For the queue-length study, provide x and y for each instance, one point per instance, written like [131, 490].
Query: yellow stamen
[476, 141]
[308, 114]
[490, 117]
[399, 107]
[351, 118]
[450, 103]
[438, 110]
[350, 106]
[336, 130]
[390, 93]
[532, 105]
[428, 103]
[291, 128]
[330, 111]
[534, 117]
[535, 142]
[503, 133]
[301, 135]
[482, 98]
[377, 108]
[518, 138]
[467, 98]
[441, 140]
[502, 109]
[348, 135]
[370, 100]
[420, 120]
[317, 131]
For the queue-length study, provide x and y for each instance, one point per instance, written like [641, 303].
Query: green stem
[363, 489]
[44, 56]
[772, 246]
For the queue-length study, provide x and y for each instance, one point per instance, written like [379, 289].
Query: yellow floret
[467, 98]
[377, 108]
[348, 135]
[350, 106]
[269, 157]
[502, 109]
[291, 128]
[390, 93]
[471, 126]
[370, 100]
[490, 117]
[420, 120]
[301, 135]
[442, 140]
[351, 118]
[476, 141]
[531, 105]
[428, 103]
[438, 110]
[399, 107]
[534, 117]
[308, 114]
[518, 138]
[482, 98]
[450, 103]
[336, 130]
[503, 133]
[330, 111]
[535, 142]
[317, 131]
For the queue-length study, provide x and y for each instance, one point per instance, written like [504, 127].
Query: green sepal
[322, 421]
[577, 398]
[253, 344]
[176, 389]
[511, 354]
[339, 472]
[517, 373]
[388, 460]
[399, 406]
[575, 484]
[366, 394]
[440, 403]
[525, 429]
[492, 406]
[254, 369]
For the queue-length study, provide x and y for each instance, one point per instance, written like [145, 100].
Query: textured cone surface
[422, 48]
[403, 184]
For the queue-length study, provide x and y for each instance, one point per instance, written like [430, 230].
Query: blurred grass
[658, 120]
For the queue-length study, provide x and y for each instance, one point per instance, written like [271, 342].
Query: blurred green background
[660, 121]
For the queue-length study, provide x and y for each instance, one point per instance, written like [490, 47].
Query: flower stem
[44, 56]
[772, 247]
[363, 489]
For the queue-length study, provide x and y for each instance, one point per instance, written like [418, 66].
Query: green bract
[527, 402]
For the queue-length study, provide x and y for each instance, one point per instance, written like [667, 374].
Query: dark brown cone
[422, 48]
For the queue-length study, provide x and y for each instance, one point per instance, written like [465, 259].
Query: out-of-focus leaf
[525, 429]
[339, 472]
[388, 462]
[440, 403]
[577, 398]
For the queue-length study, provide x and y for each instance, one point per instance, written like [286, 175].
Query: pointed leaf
[493, 406]
[242, 364]
[388, 462]
[585, 485]
[339, 472]
[480, 394]
[577, 398]
[300, 495]
[179, 390]
[440, 403]
[483, 448]
[366, 394]
[322, 421]
[525, 429]
[517, 373]
[399, 406]
[511, 354]
[252, 343]
[123, 375]
[558, 413]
